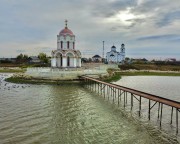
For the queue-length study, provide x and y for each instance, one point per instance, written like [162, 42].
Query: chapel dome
[66, 31]
[113, 46]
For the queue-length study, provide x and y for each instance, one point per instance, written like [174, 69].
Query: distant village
[43, 59]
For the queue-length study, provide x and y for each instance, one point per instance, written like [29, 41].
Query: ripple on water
[67, 114]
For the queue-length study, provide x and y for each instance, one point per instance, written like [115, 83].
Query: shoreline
[114, 75]
[23, 80]
[148, 73]
[11, 70]
[20, 78]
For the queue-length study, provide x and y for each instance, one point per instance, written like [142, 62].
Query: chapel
[66, 56]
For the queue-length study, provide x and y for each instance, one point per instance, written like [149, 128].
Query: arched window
[61, 61]
[68, 44]
[68, 61]
[61, 44]
[73, 45]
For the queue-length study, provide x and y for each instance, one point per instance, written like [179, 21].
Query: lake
[71, 114]
[164, 86]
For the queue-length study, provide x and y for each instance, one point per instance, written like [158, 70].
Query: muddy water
[66, 114]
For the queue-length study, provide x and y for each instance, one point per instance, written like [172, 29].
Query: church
[114, 56]
[66, 56]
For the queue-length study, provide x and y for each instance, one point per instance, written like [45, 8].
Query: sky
[148, 28]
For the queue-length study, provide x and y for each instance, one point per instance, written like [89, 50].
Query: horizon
[149, 29]
[157, 59]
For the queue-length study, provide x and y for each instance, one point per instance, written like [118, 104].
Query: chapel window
[61, 44]
[68, 44]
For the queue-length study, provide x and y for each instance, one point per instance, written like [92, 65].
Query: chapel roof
[66, 30]
[113, 46]
[96, 56]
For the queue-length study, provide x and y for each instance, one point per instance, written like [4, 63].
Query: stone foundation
[66, 73]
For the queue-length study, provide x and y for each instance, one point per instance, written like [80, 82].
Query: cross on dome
[66, 21]
[66, 30]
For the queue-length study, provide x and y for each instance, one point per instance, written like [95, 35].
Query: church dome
[66, 31]
[113, 46]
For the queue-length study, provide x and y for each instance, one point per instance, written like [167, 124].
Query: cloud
[109, 8]
[169, 37]
[20, 51]
[169, 18]
[32, 26]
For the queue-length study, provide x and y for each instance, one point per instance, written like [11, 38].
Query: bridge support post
[113, 94]
[158, 109]
[161, 115]
[108, 92]
[171, 115]
[140, 106]
[124, 99]
[131, 101]
[149, 114]
[176, 120]
[104, 90]
[118, 96]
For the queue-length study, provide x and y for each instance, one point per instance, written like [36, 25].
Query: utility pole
[103, 52]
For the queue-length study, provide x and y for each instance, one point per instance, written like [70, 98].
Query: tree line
[24, 58]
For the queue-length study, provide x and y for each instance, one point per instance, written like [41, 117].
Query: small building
[84, 60]
[114, 56]
[171, 60]
[66, 55]
[96, 58]
[140, 60]
[8, 60]
[34, 59]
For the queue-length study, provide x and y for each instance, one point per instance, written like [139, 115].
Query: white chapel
[114, 56]
[66, 56]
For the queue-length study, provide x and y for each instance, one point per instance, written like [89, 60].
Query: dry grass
[151, 67]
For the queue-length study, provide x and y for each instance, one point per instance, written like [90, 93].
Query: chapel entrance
[59, 60]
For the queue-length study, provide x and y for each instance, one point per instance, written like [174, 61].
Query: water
[164, 86]
[66, 114]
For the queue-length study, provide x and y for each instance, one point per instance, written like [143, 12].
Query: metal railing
[114, 90]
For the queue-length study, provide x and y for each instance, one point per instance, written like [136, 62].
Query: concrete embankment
[67, 73]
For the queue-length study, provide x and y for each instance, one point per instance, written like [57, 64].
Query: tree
[43, 57]
[25, 57]
[90, 59]
[22, 58]
[127, 59]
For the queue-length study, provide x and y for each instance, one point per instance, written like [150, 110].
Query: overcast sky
[148, 28]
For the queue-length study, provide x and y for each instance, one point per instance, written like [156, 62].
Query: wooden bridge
[116, 91]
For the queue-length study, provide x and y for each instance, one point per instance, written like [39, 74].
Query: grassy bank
[159, 67]
[11, 71]
[116, 75]
[22, 80]
[26, 81]
[145, 73]
[113, 76]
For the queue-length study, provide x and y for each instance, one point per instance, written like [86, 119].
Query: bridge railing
[114, 90]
